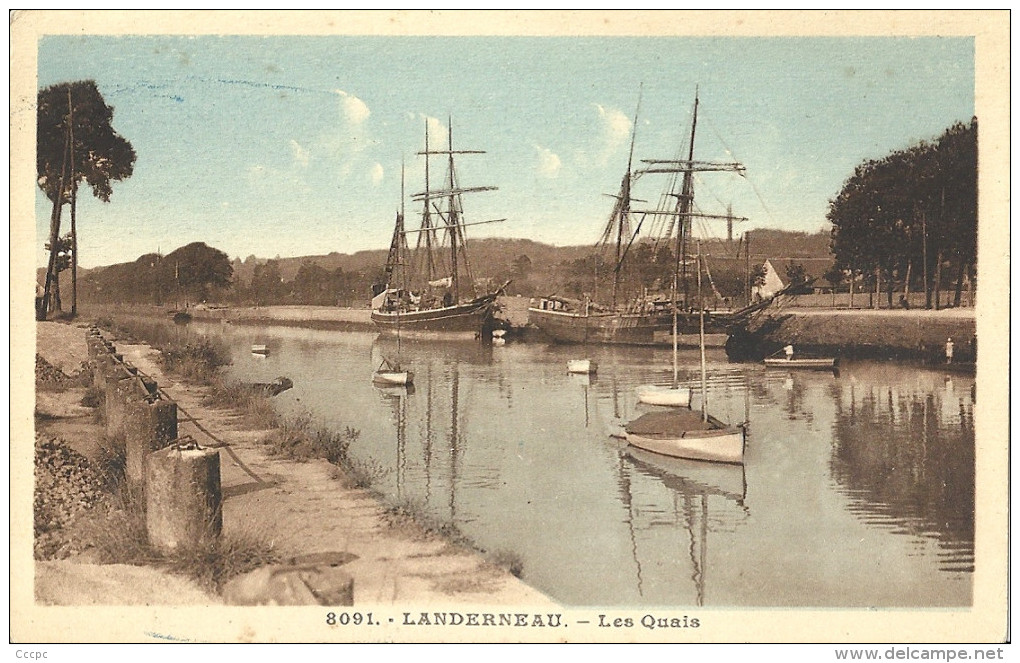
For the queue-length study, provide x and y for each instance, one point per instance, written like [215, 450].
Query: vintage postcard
[510, 326]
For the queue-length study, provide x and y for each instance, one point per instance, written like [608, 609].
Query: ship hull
[599, 328]
[622, 328]
[463, 321]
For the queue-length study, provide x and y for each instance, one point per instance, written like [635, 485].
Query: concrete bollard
[95, 347]
[119, 391]
[183, 498]
[149, 425]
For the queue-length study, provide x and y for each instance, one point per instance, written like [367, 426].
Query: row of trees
[909, 220]
[313, 284]
[198, 273]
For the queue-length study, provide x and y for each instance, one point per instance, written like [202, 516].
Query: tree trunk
[74, 200]
[57, 305]
[889, 284]
[878, 288]
[938, 281]
[74, 253]
[924, 259]
[959, 284]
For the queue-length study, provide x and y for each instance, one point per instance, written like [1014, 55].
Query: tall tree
[76, 142]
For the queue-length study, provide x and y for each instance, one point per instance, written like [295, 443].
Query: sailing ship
[422, 295]
[645, 320]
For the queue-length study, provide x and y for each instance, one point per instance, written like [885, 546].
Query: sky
[293, 145]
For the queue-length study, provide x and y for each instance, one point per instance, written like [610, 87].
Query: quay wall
[913, 333]
[919, 334]
[513, 313]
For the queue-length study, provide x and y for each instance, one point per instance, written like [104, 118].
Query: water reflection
[704, 498]
[862, 484]
[903, 453]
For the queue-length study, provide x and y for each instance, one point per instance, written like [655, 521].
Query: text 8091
[350, 619]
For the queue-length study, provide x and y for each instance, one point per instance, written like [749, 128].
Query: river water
[857, 488]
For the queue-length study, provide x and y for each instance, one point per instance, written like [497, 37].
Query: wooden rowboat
[804, 362]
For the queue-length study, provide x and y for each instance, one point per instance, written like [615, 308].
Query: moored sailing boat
[641, 321]
[422, 295]
[685, 434]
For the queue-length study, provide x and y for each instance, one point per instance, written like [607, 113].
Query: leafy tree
[75, 142]
[196, 270]
[521, 267]
[795, 273]
[267, 283]
[757, 276]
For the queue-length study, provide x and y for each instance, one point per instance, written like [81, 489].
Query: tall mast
[402, 257]
[624, 203]
[684, 205]
[452, 220]
[426, 223]
[686, 200]
[701, 343]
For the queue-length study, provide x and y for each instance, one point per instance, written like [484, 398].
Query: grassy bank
[296, 437]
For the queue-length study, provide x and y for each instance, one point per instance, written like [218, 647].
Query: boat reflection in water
[585, 381]
[700, 498]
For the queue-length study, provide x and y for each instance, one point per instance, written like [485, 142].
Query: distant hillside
[536, 268]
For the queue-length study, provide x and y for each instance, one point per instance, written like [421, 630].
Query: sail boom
[691, 162]
[707, 168]
[430, 152]
[429, 195]
[445, 226]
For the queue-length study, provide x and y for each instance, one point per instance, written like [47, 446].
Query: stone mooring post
[183, 498]
[150, 423]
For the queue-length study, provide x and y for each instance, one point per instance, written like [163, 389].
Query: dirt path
[307, 507]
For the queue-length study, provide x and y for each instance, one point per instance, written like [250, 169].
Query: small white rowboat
[582, 366]
[393, 377]
[259, 350]
[669, 396]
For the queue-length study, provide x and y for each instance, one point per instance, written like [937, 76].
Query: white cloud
[437, 132]
[354, 109]
[615, 129]
[376, 173]
[301, 155]
[549, 163]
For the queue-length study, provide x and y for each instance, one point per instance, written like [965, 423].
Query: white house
[772, 285]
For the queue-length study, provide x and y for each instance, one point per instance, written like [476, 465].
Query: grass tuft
[218, 560]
